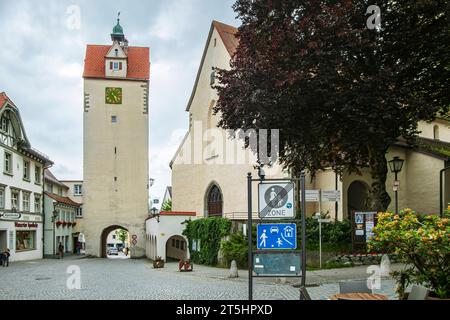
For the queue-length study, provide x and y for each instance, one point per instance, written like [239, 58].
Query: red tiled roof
[177, 213]
[228, 35]
[138, 62]
[64, 200]
[4, 98]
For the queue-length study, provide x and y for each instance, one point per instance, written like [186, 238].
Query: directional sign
[277, 236]
[312, 195]
[331, 195]
[276, 200]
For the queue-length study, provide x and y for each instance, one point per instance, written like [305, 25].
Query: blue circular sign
[289, 206]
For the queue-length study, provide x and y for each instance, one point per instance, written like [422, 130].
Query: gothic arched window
[215, 201]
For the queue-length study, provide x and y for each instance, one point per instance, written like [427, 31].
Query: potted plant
[158, 263]
[58, 223]
[423, 243]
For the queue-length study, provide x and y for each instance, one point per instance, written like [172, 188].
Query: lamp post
[396, 165]
[55, 214]
[155, 213]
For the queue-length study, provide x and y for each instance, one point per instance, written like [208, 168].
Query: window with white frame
[2, 197]
[26, 201]
[80, 212]
[37, 203]
[78, 189]
[8, 162]
[49, 187]
[37, 174]
[15, 199]
[4, 124]
[26, 170]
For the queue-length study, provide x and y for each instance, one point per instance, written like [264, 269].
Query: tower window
[116, 52]
[114, 119]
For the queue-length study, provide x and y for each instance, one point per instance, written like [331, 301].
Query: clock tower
[115, 141]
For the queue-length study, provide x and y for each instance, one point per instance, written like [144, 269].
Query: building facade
[115, 141]
[60, 217]
[21, 187]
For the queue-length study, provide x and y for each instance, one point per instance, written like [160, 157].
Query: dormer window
[116, 66]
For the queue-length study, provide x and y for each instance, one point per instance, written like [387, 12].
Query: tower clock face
[113, 95]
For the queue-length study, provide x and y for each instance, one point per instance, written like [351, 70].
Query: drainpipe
[441, 191]
[43, 207]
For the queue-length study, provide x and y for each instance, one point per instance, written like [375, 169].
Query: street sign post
[280, 236]
[312, 195]
[276, 242]
[331, 195]
[276, 200]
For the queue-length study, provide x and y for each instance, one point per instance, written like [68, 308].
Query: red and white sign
[134, 237]
[29, 225]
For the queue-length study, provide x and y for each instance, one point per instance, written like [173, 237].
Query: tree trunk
[379, 199]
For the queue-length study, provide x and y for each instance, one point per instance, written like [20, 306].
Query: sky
[41, 66]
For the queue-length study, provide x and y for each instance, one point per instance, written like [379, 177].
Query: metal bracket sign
[277, 264]
[276, 200]
[278, 236]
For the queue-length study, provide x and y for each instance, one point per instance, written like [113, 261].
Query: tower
[115, 141]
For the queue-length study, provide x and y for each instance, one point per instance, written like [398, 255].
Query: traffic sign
[134, 242]
[281, 264]
[277, 236]
[134, 237]
[276, 200]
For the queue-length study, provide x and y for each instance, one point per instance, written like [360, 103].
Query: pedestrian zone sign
[277, 236]
[276, 200]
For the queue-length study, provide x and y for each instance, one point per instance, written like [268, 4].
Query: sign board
[277, 264]
[312, 195]
[276, 200]
[10, 215]
[331, 195]
[277, 236]
[363, 224]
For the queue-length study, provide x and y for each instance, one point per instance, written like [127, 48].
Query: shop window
[25, 240]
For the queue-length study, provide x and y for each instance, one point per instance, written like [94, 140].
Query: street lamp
[155, 213]
[54, 216]
[396, 166]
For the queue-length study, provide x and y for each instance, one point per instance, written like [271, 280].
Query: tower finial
[118, 17]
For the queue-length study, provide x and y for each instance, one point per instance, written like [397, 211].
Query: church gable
[116, 52]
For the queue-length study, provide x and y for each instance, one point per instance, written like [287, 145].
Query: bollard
[234, 270]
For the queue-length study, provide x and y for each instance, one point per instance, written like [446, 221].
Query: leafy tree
[167, 206]
[340, 93]
[122, 235]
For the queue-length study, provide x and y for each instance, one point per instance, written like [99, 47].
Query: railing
[240, 215]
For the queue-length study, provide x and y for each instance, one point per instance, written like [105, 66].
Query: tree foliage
[340, 93]
[167, 205]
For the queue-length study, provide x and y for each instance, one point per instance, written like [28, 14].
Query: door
[3, 240]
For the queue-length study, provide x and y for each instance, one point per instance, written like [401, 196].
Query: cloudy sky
[41, 65]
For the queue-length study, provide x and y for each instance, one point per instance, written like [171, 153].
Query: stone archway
[104, 236]
[176, 248]
[357, 197]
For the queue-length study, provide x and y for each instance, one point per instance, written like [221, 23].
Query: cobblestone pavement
[103, 279]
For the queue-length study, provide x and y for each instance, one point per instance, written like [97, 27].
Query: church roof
[228, 35]
[138, 62]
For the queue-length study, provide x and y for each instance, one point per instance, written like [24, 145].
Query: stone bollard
[233, 270]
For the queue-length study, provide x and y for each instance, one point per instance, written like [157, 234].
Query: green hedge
[209, 232]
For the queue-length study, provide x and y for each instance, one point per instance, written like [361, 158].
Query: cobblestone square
[105, 279]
